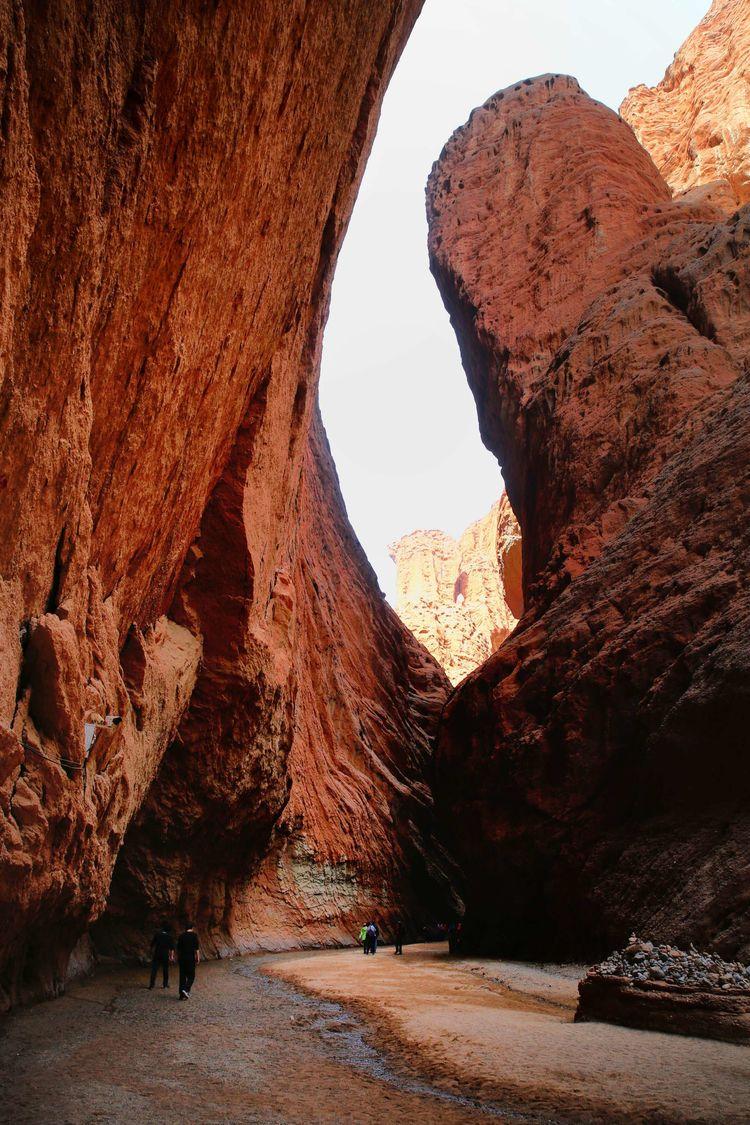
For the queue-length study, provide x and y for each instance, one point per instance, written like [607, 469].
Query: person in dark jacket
[455, 937]
[398, 937]
[188, 956]
[372, 938]
[162, 947]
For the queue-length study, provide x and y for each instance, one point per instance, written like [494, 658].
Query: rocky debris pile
[661, 988]
[642, 961]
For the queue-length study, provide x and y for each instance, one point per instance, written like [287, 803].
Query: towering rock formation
[356, 769]
[696, 122]
[594, 770]
[176, 181]
[461, 598]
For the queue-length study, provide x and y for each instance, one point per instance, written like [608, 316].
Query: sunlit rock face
[461, 597]
[696, 122]
[176, 182]
[593, 772]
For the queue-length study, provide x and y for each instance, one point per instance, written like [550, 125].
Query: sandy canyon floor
[334, 1036]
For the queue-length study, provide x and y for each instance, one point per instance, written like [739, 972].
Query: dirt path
[419, 1039]
[503, 1032]
[244, 1048]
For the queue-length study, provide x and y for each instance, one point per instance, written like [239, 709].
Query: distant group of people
[369, 934]
[368, 938]
[185, 950]
[163, 950]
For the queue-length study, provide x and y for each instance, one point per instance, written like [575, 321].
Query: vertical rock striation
[176, 181]
[593, 771]
[351, 832]
[696, 122]
[461, 598]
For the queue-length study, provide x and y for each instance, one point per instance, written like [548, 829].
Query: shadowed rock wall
[176, 181]
[593, 772]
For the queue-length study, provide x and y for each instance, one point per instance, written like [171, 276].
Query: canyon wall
[354, 836]
[176, 182]
[593, 772]
[461, 597]
[696, 122]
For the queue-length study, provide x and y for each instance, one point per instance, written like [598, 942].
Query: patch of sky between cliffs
[399, 415]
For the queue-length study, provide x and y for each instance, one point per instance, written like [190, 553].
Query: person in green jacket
[362, 939]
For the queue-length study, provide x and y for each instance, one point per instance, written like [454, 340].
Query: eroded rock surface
[461, 597]
[696, 122]
[593, 771]
[175, 185]
[357, 806]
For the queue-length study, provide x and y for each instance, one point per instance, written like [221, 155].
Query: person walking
[188, 956]
[398, 939]
[362, 939]
[162, 952]
[372, 938]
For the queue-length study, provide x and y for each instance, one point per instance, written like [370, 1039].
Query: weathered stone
[659, 1006]
[461, 598]
[696, 122]
[592, 772]
[176, 181]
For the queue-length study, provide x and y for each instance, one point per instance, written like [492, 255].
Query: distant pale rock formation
[461, 598]
[696, 122]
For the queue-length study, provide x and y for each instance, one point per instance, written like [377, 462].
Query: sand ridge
[504, 1033]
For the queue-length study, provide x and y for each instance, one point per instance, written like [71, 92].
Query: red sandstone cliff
[593, 772]
[176, 181]
[696, 122]
[461, 597]
[358, 817]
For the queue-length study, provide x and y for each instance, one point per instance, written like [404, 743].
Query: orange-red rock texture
[594, 770]
[461, 597]
[696, 122]
[176, 181]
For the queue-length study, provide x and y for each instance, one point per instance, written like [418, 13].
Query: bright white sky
[399, 414]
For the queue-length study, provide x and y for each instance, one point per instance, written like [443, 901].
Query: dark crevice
[53, 597]
[684, 299]
[7, 106]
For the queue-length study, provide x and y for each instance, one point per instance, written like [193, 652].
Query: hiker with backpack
[372, 938]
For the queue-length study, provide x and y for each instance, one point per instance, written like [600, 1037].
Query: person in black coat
[188, 956]
[162, 947]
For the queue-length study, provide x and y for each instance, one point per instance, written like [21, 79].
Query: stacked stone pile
[663, 988]
[642, 961]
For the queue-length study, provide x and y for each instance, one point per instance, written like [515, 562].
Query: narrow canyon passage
[208, 709]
